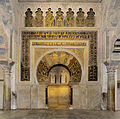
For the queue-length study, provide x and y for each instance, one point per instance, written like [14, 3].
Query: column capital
[111, 66]
[111, 69]
[7, 70]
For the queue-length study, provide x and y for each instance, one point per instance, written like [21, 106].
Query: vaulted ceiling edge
[84, 1]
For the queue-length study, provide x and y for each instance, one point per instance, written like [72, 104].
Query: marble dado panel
[84, 97]
[23, 97]
[31, 97]
[1, 94]
[94, 97]
[91, 37]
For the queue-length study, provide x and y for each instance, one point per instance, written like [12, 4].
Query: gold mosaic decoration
[59, 35]
[59, 43]
[25, 64]
[42, 71]
[60, 20]
[80, 19]
[38, 18]
[59, 57]
[90, 20]
[56, 35]
[49, 18]
[29, 18]
[69, 20]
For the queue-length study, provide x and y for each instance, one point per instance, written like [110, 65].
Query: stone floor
[58, 114]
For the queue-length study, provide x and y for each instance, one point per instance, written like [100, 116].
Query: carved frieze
[60, 20]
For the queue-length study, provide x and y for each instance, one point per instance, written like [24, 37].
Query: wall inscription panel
[90, 36]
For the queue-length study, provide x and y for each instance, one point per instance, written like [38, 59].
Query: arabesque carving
[90, 20]
[39, 18]
[80, 19]
[49, 18]
[59, 19]
[69, 20]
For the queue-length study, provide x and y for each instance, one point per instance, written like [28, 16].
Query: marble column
[13, 88]
[111, 88]
[7, 90]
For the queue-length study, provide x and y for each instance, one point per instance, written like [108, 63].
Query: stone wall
[5, 53]
[111, 33]
[29, 94]
[1, 87]
[82, 94]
